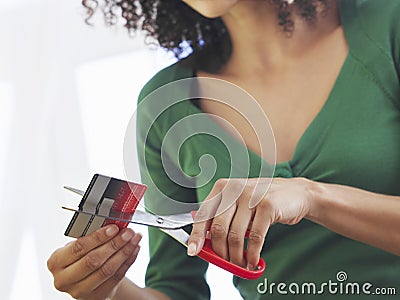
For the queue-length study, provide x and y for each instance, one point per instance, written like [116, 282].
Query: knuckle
[218, 231]
[52, 263]
[77, 294]
[60, 285]
[106, 271]
[127, 250]
[201, 215]
[220, 183]
[77, 248]
[234, 238]
[114, 245]
[248, 188]
[92, 262]
[98, 236]
[256, 237]
[264, 205]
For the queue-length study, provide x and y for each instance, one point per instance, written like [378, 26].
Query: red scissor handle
[208, 254]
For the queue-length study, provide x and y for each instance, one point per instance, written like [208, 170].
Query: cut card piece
[105, 196]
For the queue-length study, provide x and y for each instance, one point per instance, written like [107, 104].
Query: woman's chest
[353, 140]
[358, 147]
[289, 109]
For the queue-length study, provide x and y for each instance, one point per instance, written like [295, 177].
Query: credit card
[106, 196]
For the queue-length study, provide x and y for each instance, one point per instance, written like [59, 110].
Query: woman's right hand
[92, 266]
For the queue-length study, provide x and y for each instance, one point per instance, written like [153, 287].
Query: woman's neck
[259, 42]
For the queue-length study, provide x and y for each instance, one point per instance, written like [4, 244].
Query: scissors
[171, 225]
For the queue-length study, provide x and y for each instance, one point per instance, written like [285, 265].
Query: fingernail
[111, 230]
[127, 235]
[250, 267]
[191, 249]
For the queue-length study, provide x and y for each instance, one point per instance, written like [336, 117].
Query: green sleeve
[372, 31]
[380, 22]
[170, 270]
[396, 30]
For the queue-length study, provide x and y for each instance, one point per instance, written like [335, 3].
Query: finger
[203, 218]
[219, 232]
[231, 193]
[103, 290]
[258, 231]
[94, 260]
[237, 232]
[74, 251]
[120, 274]
[107, 271]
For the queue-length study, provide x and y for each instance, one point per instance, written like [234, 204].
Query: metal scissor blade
[178, 234]
[178, 219]
[142, 219]
[170, 222]
[74, 190]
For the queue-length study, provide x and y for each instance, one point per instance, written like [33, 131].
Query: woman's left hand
[236, 205]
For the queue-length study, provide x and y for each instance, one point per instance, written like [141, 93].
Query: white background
[67, 92]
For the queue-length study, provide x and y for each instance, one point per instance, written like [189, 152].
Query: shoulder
[161, 104]
[372, 31]
[167, 75]
[380, 23]
[377, 7]
[379, 19]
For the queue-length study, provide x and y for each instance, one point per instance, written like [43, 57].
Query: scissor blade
[180, 220]
[74, 190]
[168, 222]
[179, 234]
[144, 219]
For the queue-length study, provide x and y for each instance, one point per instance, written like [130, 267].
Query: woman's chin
[211, 8]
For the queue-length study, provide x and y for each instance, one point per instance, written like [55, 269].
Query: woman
[327, 74]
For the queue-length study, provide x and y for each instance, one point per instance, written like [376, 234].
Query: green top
[354, 141]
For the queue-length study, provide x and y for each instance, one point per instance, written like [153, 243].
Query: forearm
[128, 290]
[364, 216]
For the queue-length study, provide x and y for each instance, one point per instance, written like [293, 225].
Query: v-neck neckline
[319, 121]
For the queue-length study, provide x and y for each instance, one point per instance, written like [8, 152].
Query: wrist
[116, 290]
[317, 195]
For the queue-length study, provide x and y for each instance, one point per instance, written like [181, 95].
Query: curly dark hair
[180, 29]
